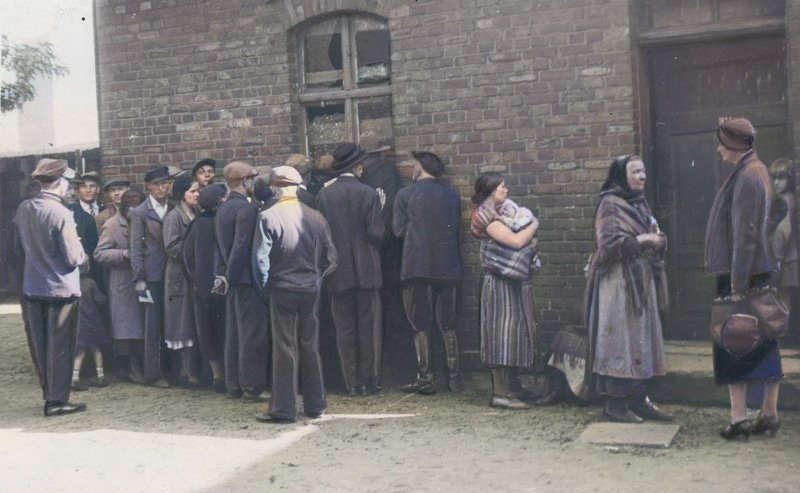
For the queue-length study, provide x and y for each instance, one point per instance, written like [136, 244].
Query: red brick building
[544, 91]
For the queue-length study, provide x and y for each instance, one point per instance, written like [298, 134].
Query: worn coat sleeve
[749, 214]
[173, 239]
[399, 215]
[331, 258]
[262, 246]
[69, 242]
[375, 224]
[137, 232]
[106, 254]
[244, 228]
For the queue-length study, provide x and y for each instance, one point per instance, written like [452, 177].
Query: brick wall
[540, 91]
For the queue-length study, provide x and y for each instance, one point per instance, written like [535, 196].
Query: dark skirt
[762, 365]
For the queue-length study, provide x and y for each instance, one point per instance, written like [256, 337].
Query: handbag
[506, 261]
[771, 312]
[737, 333]
[739, 327]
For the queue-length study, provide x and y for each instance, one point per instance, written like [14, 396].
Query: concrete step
[690, 377]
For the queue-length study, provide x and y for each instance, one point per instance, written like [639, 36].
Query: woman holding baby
[624, 297]
[508, 249]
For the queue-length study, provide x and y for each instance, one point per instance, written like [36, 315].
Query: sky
[68, 25]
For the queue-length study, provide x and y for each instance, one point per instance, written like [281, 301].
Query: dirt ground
[135, 438]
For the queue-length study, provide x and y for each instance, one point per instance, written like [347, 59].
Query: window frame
[349, 94]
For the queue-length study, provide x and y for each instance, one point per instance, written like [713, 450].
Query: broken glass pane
[322, 49]
[326, 126]
[373, 59]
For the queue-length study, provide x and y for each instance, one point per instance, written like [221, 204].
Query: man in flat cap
[113, 189]
[48, 239]
[292, 253]
[353, 212]
[245, 312]
[149, 262]
[203, 172]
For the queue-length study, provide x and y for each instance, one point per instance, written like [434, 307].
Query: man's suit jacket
[148, 257]
[353, 212]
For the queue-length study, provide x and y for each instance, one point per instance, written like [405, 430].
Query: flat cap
[239, 170]
[116, 181]
[157, 174]
[51, 169]
[285, 176]
[203, 162]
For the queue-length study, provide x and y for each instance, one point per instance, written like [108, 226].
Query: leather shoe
[616, 410]
[233, 393]
[511, 403]
[420, 386]
[78, 386]
[268, 418]
[218, 386]
[316, 415]
[55, 408]
[645, 409]
[766, 424]
[98, 382]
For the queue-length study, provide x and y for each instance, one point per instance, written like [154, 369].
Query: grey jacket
[736, 234]
[292, 247]
[48, 237]
[148, 258]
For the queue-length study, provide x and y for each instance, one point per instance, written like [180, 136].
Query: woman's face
[500, 193]
[636, 175]
[192, 195]
[780, 183]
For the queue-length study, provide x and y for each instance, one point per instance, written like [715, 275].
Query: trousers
[357, 319]
[246, 340]
[52, 328]
[295, 346]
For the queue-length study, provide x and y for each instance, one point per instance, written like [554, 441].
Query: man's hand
[220, 286]
[140, 287]
[381, 197]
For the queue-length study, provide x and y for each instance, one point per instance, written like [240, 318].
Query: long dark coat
[736, 234]
[224, 230]
[178, 311]
[126, 311]
[353, 212]
[426, 216]
[198, 253]
[89, 234]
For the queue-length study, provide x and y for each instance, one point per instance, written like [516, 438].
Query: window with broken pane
[345, 88]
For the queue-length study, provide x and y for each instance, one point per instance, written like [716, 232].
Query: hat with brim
[48, 169]
[157, 175]
[736, 134]
[181, 185]
[285, 176]
[92, 176]
[203, 162]
[116, 181]
[346, 156]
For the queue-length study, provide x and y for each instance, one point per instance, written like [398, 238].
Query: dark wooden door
[691, 85]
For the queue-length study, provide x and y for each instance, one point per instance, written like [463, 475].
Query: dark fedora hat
[157, 174]
[204, 162]
[346, 156]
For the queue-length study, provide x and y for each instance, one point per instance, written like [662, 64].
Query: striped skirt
[508, 328]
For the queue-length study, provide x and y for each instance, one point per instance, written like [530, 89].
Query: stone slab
[630, 435]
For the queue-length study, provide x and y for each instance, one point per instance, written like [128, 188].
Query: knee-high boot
[451, 350]
[424, 383]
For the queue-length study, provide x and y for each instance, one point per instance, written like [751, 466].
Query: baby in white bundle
[514, 216]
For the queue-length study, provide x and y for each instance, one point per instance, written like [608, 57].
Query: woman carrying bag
[738, 252]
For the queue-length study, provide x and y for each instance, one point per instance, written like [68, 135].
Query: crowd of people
[232, 276]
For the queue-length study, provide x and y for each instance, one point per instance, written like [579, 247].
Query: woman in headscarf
[626, 346]
[179, 330]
